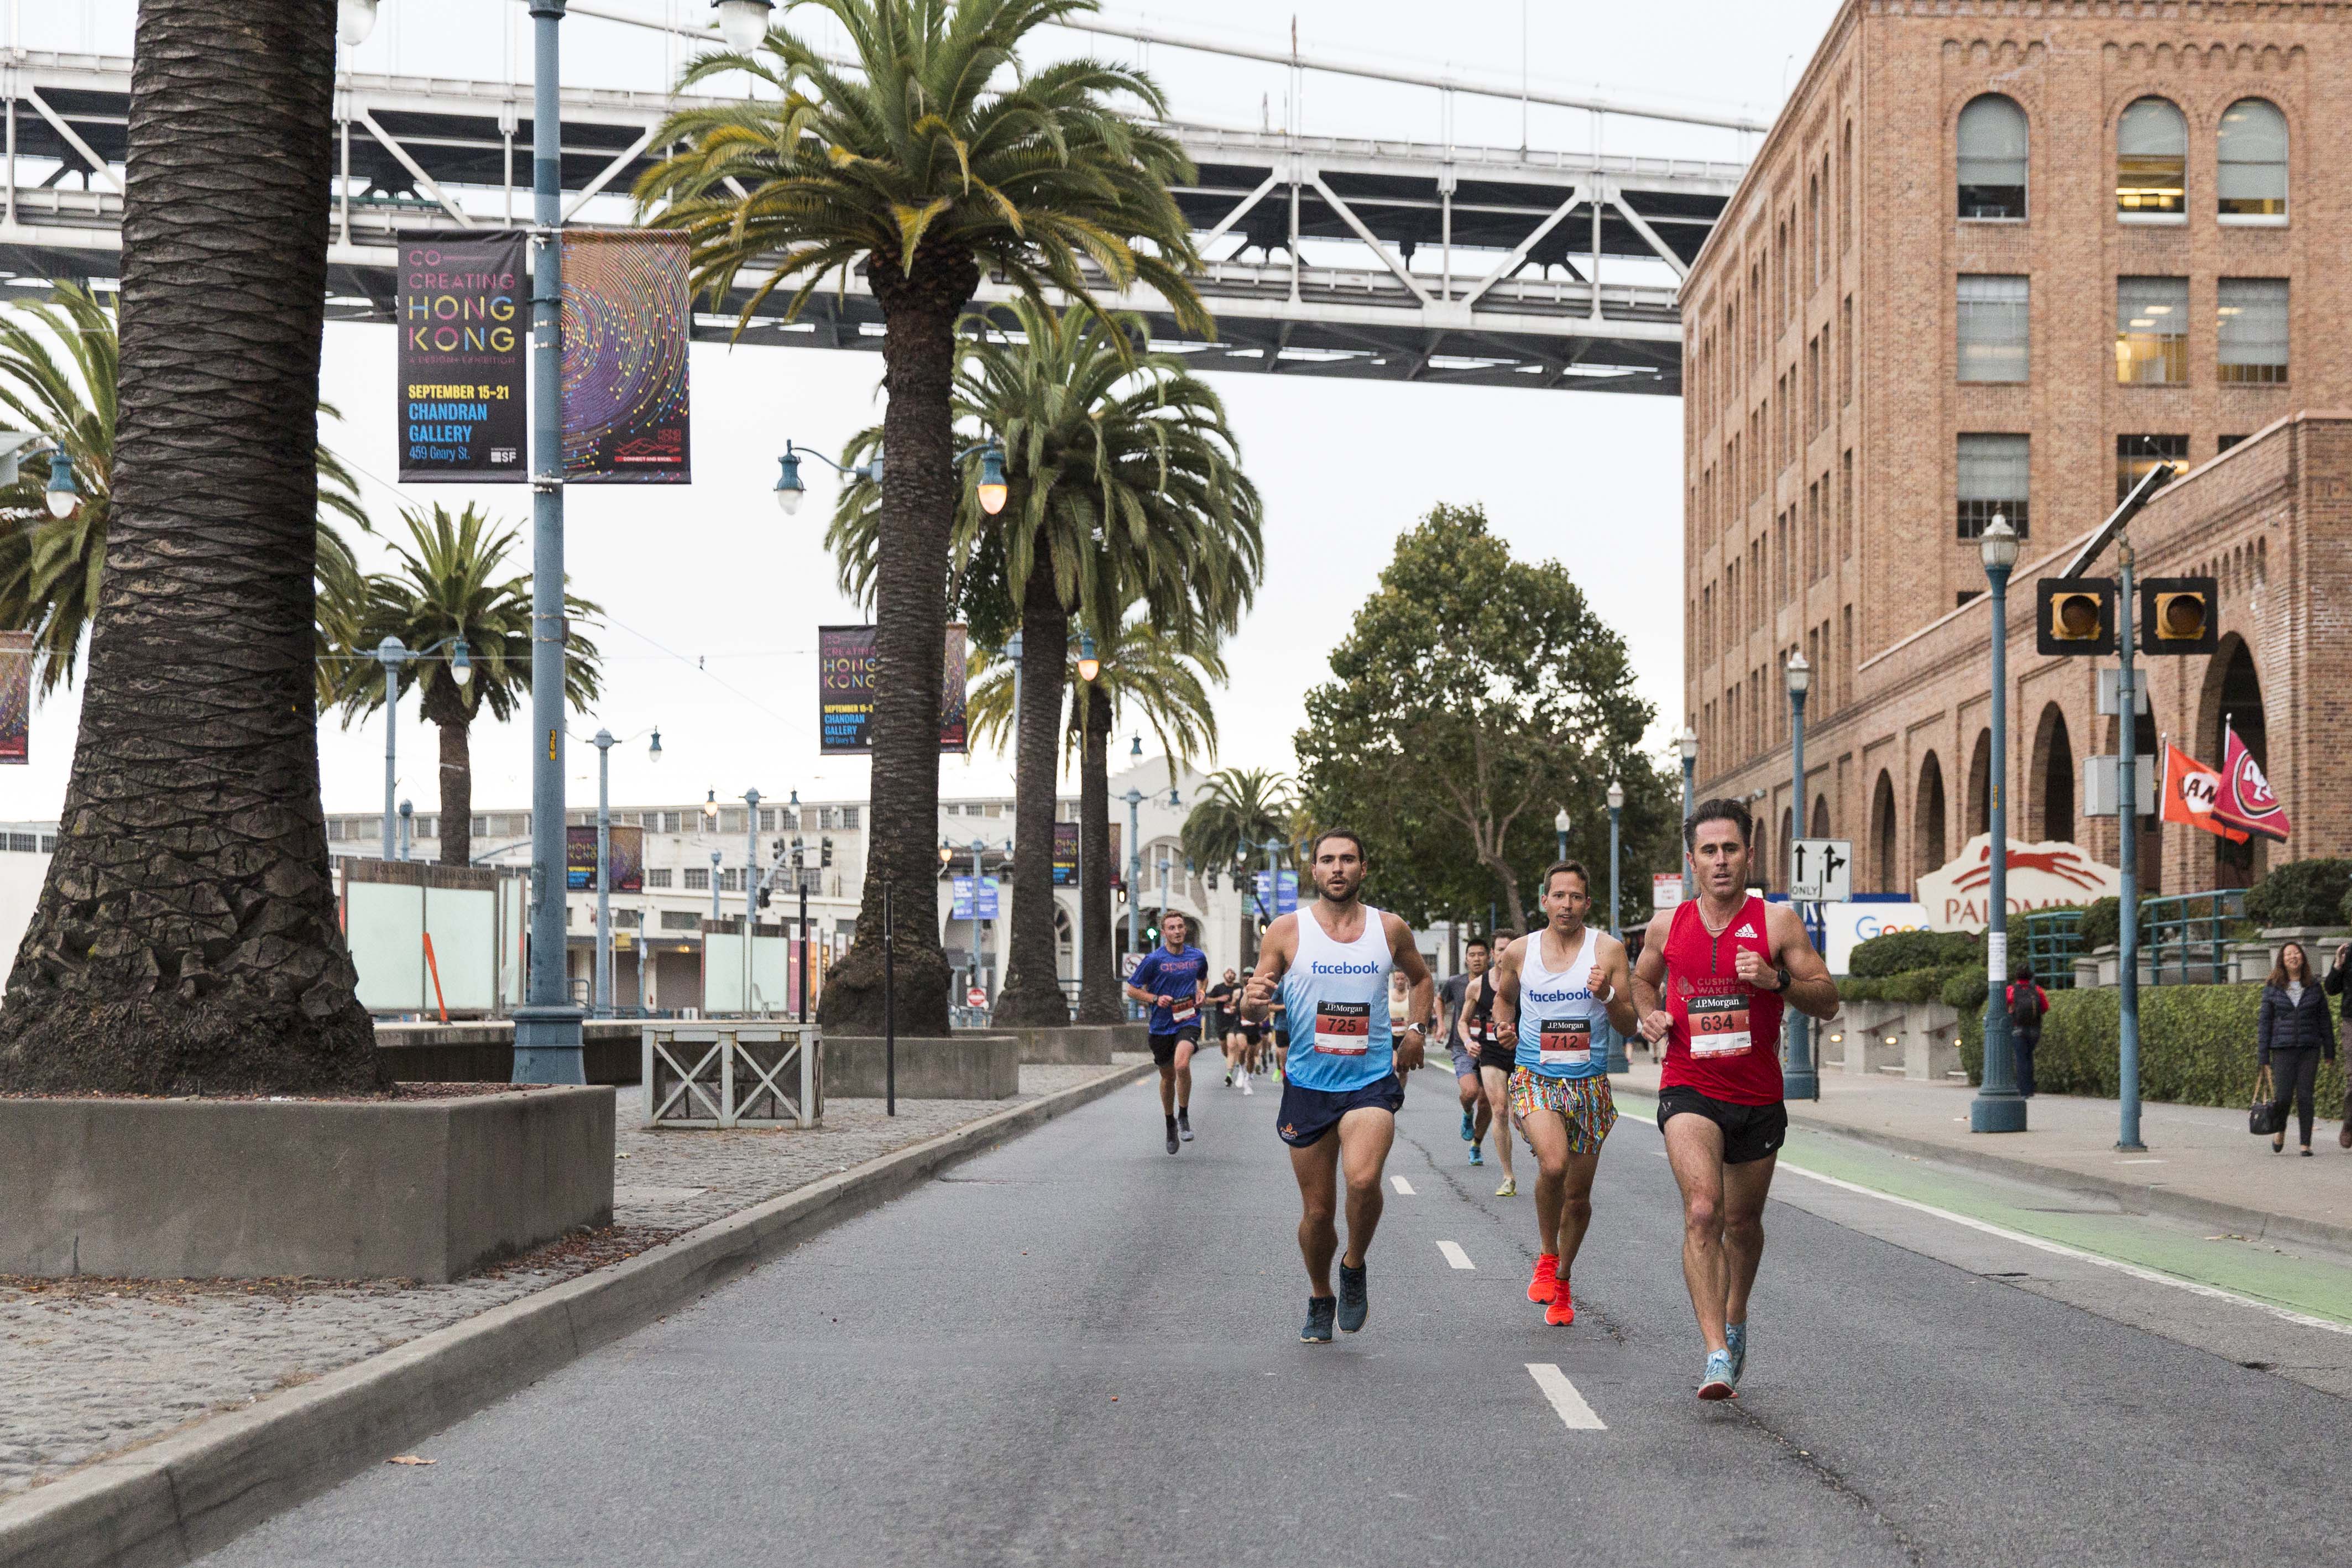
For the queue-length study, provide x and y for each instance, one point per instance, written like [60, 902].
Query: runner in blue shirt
[1172, 980]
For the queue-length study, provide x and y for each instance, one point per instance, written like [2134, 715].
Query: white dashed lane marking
[1401, 1185]
[1574, 1413]
[1454, 1255]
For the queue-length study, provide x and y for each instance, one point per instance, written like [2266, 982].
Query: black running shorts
[1163, 1046]
[1750, 1132]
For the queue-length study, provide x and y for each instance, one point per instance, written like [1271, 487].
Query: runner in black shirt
[1225, 1019]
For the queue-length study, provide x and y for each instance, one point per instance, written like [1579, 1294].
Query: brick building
[1994, 258]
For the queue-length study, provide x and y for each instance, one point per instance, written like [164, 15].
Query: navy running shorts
[1309, 1114]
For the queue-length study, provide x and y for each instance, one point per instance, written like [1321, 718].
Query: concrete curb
[2133, 1198]
[172, 1500]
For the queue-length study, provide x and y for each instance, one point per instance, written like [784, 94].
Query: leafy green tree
[1474, 696]
[186, 939]
[59, 363]
[450, 582]
[938, 157]
[1123, 486]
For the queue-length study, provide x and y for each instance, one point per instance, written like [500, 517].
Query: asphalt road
[1079, 1349]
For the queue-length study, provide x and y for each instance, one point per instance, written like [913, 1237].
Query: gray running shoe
[1352, 1301]
[1734, 1336]
[1317, 1331]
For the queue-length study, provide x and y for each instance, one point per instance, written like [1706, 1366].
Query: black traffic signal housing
[2075, 616]
[2180, 615]
[765, 892]
[824, 849]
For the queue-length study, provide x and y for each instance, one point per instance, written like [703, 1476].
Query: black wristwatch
[1782, 970]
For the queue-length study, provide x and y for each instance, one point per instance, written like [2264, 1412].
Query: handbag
[2263, 1119]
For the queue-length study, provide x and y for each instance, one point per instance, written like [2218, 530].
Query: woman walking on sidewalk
[2335, 977]
[2293, 1033]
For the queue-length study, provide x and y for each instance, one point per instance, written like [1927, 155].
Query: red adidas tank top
[1724, 1041]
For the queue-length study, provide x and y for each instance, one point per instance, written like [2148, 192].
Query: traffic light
[765, 892]
[2075, 616]
[824, 850]
[2180, 615]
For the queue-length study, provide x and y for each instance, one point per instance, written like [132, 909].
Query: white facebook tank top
[1336, 995]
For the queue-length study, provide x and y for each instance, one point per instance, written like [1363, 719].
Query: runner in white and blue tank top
[1340, 1088]
[1561, 987]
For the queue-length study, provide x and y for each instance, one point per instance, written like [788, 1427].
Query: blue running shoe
[1720, 1382]
[1317, 1331]
[1352, 1301]
[1476, 1157]
[1735, 1336]
[1466, 1131]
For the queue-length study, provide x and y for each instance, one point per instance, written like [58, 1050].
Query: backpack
[2025, 1004]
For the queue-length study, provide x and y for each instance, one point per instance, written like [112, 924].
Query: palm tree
[186, 938]
[58, 362]
[940, 156]
[1123, 486]
[450, 585]
[1237, 810]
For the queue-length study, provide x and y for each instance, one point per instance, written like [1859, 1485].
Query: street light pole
[1803, 1082]
[1134, 872]
[1559, 826]
[1998, 1107]
[604, 740]
[389, 652]
[977, 847]
[547, 1026]
[715, 916]
[407, 823]
[1688, 744]
[751, 885]
[2127, 858]
[1616, 820]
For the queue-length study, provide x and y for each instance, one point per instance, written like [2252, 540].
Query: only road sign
[1820, 870]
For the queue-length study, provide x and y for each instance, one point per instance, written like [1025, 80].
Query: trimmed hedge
[2300, 893]
[1899, 951]
[2195, 1047]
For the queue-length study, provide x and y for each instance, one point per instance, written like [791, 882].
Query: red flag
[2191, 788]
[2246, 800]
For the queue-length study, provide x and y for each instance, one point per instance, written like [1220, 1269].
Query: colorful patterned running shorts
[1584, 1103]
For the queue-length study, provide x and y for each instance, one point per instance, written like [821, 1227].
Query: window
[657, 876]
[1993, 475]
[2135, 455]
[2252, 175]
[2254, 329]
[730, 820]
[848, 816]
[698, 878]
[730, 881]
[767, 819]
[1992, 327]
[682, 919]
[2230, 441]
[1846, 506]
[2151, 331]
[1993, 158]
[1845, 359]
[2152, 161]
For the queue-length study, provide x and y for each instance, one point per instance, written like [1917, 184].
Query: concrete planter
[1077, 1044]
[424, 1189]
[1916, 1039]
[959, 1067]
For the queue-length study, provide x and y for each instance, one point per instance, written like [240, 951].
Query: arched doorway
[1929, 848]
[1981, 784]
[1787, 851]
[2053, 778]
[1821, 816]
[2233, 701]
[1885, 867]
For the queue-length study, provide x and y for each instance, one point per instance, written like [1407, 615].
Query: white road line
[2059, 1249]
[1454, 1255]
[1401, 1185]
[1574, 1414]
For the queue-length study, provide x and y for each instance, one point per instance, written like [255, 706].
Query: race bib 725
[1343, 1028]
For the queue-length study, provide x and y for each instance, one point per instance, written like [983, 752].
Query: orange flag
[2191, 790]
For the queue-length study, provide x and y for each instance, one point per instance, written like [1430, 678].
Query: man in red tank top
[1714, 976]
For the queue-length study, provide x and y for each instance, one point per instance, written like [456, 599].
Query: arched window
[2152, 161]
[2252, 175]
[1993, 158]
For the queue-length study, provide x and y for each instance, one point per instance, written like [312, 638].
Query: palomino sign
[2040, 876]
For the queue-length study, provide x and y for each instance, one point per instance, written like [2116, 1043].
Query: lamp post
[2127, 1138]
[1134, 798]
[407, 826]
[1688, 744]
[751, 884]
[392, 653]
[603, 742]
[1998, 1107]
[1616, 822]
[1803, 1081]
[790, 489]
[977, 847]
[547, 1026]
[714, 886]
[1559, 826]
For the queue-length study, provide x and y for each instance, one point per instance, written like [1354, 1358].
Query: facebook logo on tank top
[1337, 996]
[1559, 1016]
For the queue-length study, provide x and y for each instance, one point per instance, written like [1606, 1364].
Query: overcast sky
[712, 596]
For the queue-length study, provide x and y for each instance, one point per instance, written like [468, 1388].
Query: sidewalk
[2199, 1163]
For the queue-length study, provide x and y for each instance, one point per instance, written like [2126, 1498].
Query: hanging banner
[2246, 799]
[464, 313]
[15, 697]
[627, 319]
[627, 863]
[963, 910]
[1283, 893]
[1065, 854]
[845, 690]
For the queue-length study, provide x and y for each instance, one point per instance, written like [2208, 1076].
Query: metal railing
[2053, 940]
[2185, 938]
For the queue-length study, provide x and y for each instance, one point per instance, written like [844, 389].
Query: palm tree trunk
[1098, 997]
[446, 709]
[186, 939]
[919, 312]
[1032, 997]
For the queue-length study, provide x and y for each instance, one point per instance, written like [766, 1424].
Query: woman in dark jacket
[2337, 973]
[2294, 1033]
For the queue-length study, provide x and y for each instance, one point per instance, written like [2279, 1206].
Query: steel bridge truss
[1387, 260]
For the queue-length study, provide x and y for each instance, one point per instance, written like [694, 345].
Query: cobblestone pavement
[90, 1366]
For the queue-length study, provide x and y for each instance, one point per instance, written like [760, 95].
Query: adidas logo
[1747, 931]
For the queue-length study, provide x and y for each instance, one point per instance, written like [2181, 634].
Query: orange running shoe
[1562, 1311]
[1540, 1287]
